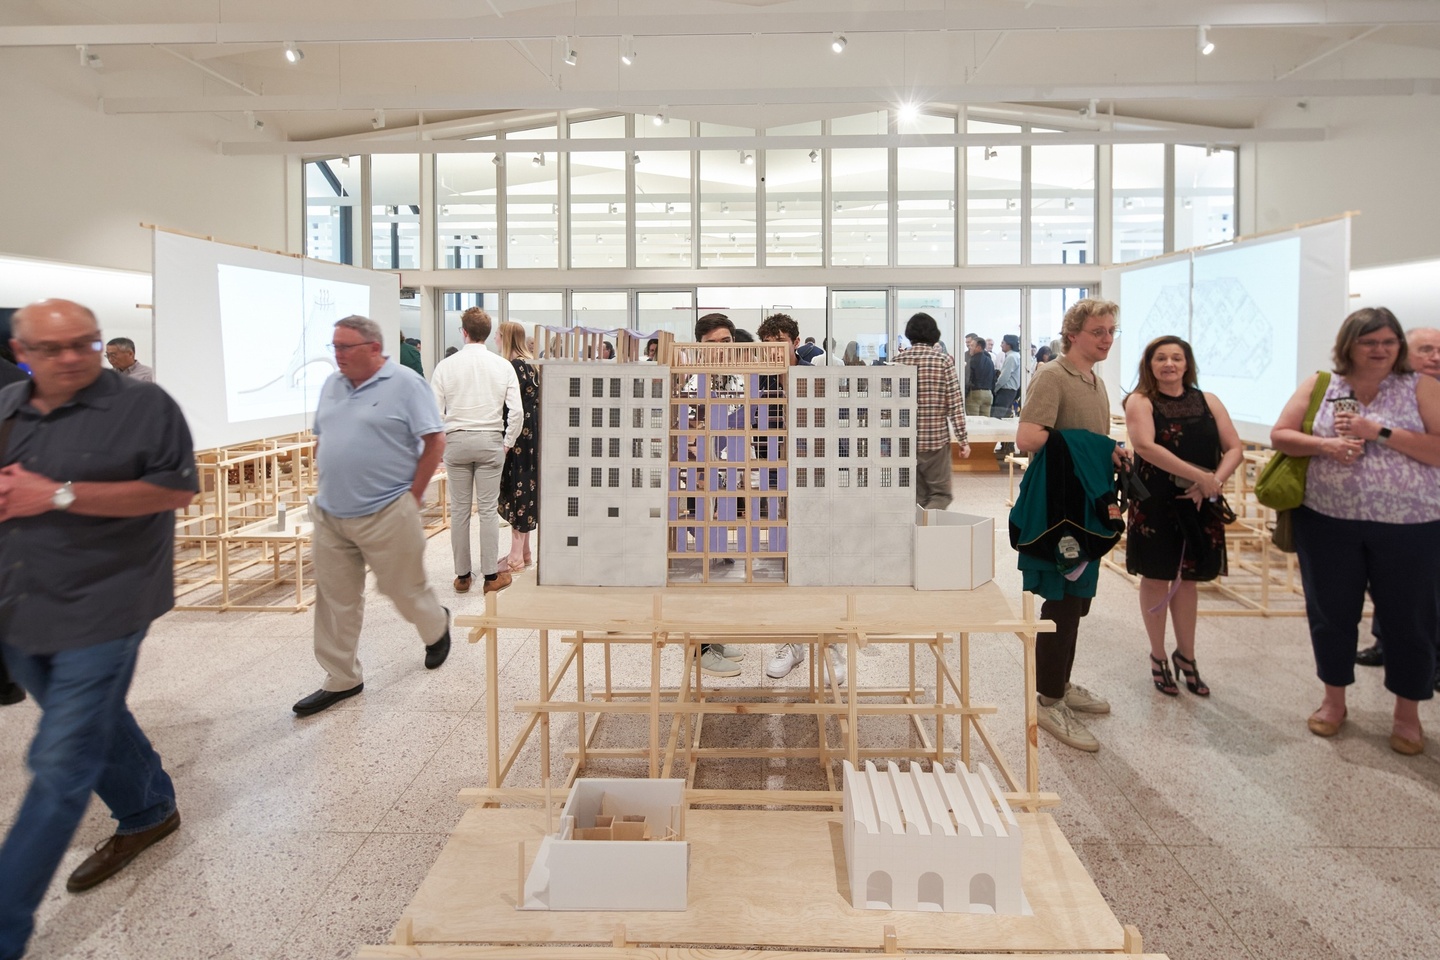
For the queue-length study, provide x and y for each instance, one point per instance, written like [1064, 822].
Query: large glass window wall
[834, 205]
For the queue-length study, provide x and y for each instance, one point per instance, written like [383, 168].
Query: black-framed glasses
[344, 347]
[50, 351]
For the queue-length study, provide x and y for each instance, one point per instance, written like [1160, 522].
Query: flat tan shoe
[1324, 728]
[1409, 748]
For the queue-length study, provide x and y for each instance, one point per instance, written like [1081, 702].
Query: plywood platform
[766, 879]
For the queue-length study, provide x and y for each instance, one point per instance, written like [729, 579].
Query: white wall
[78, 183]
[1408, 289]
[118, 297]
[1379, 158]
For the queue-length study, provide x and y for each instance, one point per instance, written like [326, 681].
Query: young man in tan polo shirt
[1068, 395]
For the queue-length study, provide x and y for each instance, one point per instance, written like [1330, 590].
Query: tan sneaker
[1080, 700]
[1060, 723]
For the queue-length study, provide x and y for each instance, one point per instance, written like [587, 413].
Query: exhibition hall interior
[220, 181]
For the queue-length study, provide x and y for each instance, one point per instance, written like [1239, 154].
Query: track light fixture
[838, 43]
[991, 153]
[748, 159]
[814, 156]
[780, 207]
[669, 208]
[255, 122]
[1205, 45]
[538, 160]
[660, 119]
[907, 113]
[377, 122]
[293, 54]
[1089, 109]
[88, 59]
[572, 57]
[634, 158]
[724, 208]
[627, 51]
[498, 159]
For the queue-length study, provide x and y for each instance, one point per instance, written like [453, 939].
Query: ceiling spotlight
[1204, 43]
[1011, 203]
[377, 122]
[88, 59]
[838, 207]
[497, 159]
[1128, 203]
[538, 160]
[747, 158]
[732, 238]
[634, 158]
[255, 122]
[907, 113]
[838, 42]
[814, 156]
[780, 207]
[660, 119]
[571, 56]
[669, 208]
[627, 51]
[293, 54]
[345, 162]
[991, 153]
[1089, 109]
[1069, 203]
[614, 209]
[724, 208]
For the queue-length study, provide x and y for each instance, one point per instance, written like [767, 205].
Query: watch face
[63, 497]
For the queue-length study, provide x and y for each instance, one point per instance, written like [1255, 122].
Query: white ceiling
[746, 63]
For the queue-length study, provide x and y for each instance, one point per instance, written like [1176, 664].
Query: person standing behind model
[1371, 517]
[979, 378]
[380, 442]
[1007, 383]
[87, 528]
[1185, 450]
[520, 478]
[121, 354]
[939, 410]
[473, 389]
[1068, 395]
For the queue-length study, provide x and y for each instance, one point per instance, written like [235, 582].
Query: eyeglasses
[345, 347]
[1100, 333]
[1391, 343]
[49, 351]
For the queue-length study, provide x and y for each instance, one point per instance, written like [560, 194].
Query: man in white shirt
[474, 388]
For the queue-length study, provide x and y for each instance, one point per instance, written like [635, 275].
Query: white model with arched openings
[931, 841]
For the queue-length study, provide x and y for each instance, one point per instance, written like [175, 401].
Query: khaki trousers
[392, 542]
[932, 478]
[978, 403]
[474, 461]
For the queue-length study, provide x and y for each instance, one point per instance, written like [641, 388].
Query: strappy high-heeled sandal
[1190, 674]
[1160, 675]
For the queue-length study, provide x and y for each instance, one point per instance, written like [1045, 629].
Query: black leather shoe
[12, 692]
[112, 856]
[435, 653]
[323, 699]
[1371, 656]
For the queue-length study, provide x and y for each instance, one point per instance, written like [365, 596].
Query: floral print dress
[519, 480]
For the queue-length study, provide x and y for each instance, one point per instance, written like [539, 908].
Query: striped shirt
[939, 402]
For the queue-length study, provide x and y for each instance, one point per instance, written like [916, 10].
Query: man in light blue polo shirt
[380, 442]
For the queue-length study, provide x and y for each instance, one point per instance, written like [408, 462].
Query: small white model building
[931, 840]
[619, 846]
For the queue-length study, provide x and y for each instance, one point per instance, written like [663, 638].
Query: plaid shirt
[939, 402]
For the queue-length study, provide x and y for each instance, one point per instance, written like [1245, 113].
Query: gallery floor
[1221, 827]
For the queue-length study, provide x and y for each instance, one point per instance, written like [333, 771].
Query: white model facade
[931, 840]
[590, 862]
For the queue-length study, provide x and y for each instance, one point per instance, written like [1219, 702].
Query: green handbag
[1281, 484]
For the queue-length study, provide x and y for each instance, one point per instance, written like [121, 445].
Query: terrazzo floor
[1220, 828]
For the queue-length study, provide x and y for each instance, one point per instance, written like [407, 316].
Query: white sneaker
[787, 657]
[717, 666]
[839, 665]
[1060, 723]
[1080, 700]
[732, 651]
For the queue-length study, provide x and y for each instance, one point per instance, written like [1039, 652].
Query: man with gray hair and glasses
[121, 354]
[380, 442]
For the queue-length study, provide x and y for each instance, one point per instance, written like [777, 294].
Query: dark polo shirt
[68, 581]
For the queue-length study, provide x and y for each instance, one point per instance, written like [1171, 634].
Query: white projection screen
[1261, 315]
[241, 335]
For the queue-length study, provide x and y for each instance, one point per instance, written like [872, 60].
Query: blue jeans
[87, 741]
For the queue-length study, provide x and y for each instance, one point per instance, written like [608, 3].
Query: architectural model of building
[726, 464]
[931, 840]
[620, 846]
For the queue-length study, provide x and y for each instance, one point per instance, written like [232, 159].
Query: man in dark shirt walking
[87, 528]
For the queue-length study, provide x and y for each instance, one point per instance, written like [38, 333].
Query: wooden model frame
[588, 618]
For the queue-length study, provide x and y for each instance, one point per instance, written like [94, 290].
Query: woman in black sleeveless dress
[520, 478]
[1185, 449]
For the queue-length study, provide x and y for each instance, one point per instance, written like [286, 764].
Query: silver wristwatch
[63, 497]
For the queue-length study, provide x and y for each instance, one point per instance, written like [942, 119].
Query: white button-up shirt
[473, 387]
